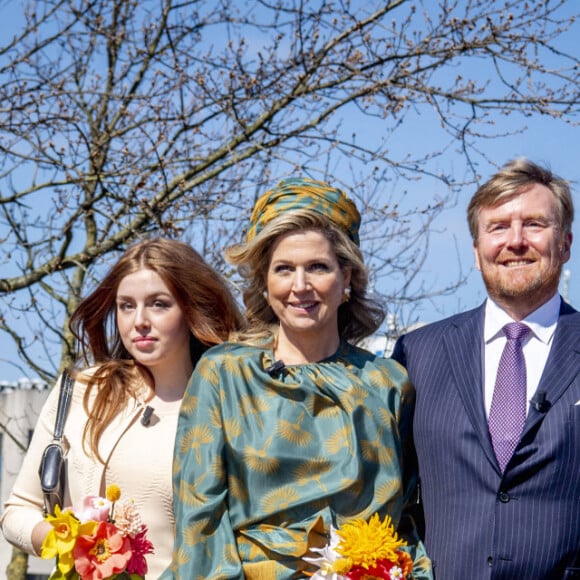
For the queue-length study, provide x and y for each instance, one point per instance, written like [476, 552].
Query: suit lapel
[464, 347]
[563, 363]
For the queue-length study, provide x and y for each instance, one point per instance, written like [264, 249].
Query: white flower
[396, 573]
[325, 562]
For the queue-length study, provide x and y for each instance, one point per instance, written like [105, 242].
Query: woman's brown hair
[203, 296]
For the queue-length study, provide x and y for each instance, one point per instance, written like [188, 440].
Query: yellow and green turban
[298, 193]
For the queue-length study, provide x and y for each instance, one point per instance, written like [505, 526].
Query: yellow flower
[60, 541]
[365, 543]
[113, 492]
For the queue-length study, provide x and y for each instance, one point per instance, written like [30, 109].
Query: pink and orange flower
[104, 538]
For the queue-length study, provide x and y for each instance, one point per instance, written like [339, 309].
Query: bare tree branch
[120, 119]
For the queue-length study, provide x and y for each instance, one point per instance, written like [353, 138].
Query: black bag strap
[64, 399]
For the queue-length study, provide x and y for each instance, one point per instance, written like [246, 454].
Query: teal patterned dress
[264, 465]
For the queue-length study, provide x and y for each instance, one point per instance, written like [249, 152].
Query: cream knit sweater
[138, 459]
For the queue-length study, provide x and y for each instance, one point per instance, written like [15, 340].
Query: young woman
[141, 332]
[290, 428]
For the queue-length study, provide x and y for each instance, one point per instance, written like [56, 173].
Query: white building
[20, 405]
[383, 344]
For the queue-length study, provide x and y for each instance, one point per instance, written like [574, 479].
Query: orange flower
[405, 562]
[102, 554]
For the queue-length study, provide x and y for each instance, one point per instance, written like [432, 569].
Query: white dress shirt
[536, 345]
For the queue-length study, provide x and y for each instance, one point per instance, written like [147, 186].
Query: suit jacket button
[504, 497]
[490, 561]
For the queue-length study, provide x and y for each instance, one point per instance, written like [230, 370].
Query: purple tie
[508, 405]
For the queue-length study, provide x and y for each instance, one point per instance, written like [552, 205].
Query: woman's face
[306, 285]
[151, 323]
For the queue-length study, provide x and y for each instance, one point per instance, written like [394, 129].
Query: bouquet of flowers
[105, 538]
[362, 550]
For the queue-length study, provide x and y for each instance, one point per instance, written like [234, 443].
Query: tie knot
[516, 330]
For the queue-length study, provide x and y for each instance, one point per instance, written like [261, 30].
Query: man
[500, 483]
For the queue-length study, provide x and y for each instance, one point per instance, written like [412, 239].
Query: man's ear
[566, 247]
[476, 256]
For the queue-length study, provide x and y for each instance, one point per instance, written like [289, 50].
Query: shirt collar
[542, 321]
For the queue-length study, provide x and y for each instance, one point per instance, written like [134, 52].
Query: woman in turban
[289, 430]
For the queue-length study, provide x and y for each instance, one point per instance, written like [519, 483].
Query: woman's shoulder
[372, 363]
[81, 379]
[85, 376]
[226, 362]
[227, 357]
[231, 350]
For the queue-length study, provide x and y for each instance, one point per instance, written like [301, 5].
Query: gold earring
[346, 295]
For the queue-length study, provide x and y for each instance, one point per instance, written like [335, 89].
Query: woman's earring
[346, 295]
[265, 295]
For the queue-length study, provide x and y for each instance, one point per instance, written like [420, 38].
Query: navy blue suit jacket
[478, 523]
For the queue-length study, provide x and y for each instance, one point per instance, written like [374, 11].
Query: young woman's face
[306, 284]
[151, 323]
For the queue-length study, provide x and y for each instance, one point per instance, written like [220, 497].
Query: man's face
[520, 250]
